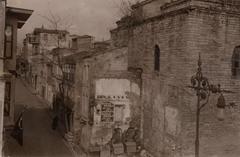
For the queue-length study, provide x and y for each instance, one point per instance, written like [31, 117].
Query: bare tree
[53, 59]
[125, 7]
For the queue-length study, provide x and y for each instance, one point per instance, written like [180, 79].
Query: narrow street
[38, 137]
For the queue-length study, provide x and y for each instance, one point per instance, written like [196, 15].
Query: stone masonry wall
[160, 97]
[214, 35]
[110, 65]
[169, 106]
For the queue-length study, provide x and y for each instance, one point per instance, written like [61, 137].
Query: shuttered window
[8, 42]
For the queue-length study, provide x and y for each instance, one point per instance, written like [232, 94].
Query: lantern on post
[221, 104]
[203, 90]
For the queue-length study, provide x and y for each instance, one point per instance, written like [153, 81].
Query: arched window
[157, 58]
[236, 62]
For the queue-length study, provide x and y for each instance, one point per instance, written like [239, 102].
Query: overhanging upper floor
[22, 15]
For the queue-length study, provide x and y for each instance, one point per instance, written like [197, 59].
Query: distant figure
[55, 123]
[117, 136]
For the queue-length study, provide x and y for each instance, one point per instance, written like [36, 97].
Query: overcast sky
[93, 17]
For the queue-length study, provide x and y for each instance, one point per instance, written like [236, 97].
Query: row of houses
[131, 92]
[11, 19]
[87, 84]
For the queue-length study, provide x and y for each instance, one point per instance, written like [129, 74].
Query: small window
[157, 58]
[8, 41]
[74, 43]
[62, 37]
[7, 99]
[36, 49]
[236, 61]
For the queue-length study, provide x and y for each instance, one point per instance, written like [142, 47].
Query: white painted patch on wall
[112, 87]
[171, 116]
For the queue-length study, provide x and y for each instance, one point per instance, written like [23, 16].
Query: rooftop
[74, 36]
[49, 31]
[73, 58]
[20, 14]
[138, 4]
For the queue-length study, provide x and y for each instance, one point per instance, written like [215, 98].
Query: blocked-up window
[157, 58]
[236, 62]
[7, 99]
[8, 41]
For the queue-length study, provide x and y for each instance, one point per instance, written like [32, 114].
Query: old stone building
[81, 43]
[39, 45]
[63, 77]
[164, 39]
[106, 99]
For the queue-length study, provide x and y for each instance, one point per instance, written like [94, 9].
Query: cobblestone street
[38, 137]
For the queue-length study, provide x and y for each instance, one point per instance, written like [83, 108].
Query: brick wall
[184, 31]
[215, 36]
[159, 88]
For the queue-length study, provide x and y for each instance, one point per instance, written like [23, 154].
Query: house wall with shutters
[2, 83]
[10, 66]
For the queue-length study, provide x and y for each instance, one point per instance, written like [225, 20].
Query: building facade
[2, 82]
[15, 19]
[165, 40]
[39, 45]
[11, 19]
[81, 43]
[106, 102]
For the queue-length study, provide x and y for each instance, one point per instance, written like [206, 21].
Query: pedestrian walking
[55, 122]
[17, 132]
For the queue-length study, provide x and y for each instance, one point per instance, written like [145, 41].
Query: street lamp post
[203, 90]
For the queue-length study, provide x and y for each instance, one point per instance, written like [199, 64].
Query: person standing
[55, 122]
[17, 132]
